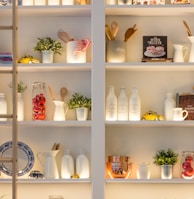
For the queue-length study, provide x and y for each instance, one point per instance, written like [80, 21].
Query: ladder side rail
[14, 98]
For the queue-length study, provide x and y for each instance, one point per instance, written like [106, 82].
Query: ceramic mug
[179, 114]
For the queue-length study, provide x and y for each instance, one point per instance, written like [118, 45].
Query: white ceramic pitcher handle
[185, 51]
[39, 154]
[186, 114]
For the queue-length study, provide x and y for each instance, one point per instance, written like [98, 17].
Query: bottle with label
[169, 104]
[82, 165]
[3, 106]
[122, 105]
[111, 105]
[134, 105]
[67, 165]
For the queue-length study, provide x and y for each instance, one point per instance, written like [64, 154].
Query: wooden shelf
[151, 10]
[151, 66]
[75, 10]
[48, 123]
[45, 181]
[48, 67]
[151, 181]
[186, 123]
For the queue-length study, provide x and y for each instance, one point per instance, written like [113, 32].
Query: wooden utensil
[129, 32]
[108, 33]
[63, 92]
[187, 28]
[51, 93]
[64, 36]
[114, 29]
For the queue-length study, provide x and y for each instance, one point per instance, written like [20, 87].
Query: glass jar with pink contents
[38, 101]
[187, 165]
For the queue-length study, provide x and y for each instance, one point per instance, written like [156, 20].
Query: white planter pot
[47, 56]
[166, 171]
[73, 57]
[81, 114]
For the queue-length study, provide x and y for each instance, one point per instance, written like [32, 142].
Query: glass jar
[38, 101]
[187, 165]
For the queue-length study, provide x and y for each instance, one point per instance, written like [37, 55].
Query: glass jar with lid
[187, 165]
[38, 101]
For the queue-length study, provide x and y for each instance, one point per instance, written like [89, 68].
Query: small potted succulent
[81, 104]
[166, 159]
[48, 47]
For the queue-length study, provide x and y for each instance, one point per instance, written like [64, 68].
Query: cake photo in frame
[154, 47]
[180, 2]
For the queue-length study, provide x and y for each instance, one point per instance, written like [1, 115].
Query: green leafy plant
[47, 43]
[163, 157]
[21, 87]
[79, 101]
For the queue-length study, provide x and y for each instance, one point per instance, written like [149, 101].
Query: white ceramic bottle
[67, 165]
[111, 105]
[20, 112]
[123, 105]
[82, 165]
[3, 106]
[134, 105]
[169, 104]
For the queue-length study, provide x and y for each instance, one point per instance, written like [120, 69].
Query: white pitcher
[60, 110]
[180, 52]
[191, 54]
[48, 162]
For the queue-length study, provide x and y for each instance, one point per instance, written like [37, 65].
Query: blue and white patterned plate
[25, 158]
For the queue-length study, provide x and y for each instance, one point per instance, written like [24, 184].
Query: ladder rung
[6, 116]
[7, 71]
[6, 159]
[6, 27]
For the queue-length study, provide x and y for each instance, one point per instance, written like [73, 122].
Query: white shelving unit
[100, 138]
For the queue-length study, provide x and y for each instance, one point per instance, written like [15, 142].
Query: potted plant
[81, 104]
[166, 159]
[48, 47]
[21, 87]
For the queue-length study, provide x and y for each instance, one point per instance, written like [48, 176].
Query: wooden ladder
[13, 71]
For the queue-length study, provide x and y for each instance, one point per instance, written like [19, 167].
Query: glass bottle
[134, 105]
[187, 165]
[111, 105]
[169, 104]
[20, 113]
[3, 106]
[122, 105]
[38, 101]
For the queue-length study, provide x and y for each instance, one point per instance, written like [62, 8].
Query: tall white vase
[20, 111]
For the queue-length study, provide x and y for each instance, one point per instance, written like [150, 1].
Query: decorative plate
[25, 158]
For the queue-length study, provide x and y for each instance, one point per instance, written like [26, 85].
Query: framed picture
[155, 47]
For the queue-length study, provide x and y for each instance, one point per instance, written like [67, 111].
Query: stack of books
[5, 58]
